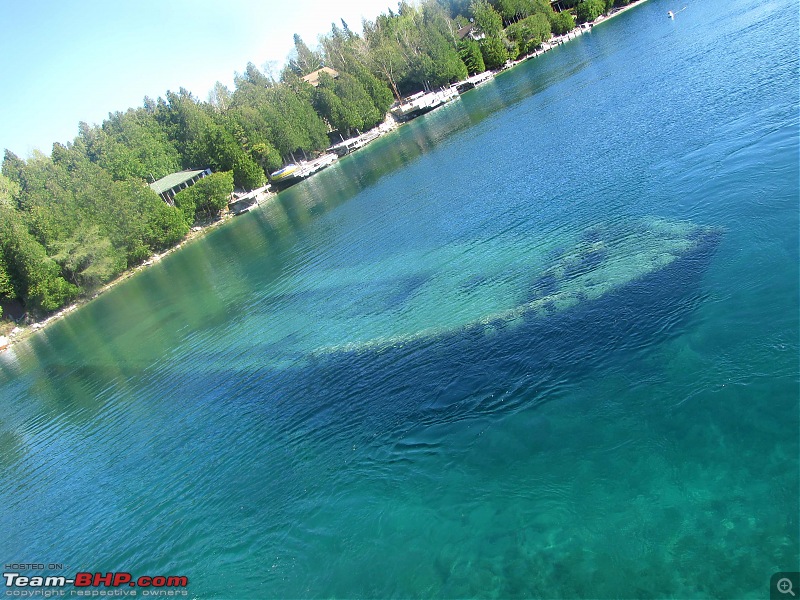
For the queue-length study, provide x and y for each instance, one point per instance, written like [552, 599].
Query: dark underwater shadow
[465, 373]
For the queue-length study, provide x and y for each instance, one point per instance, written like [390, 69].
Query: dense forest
[71, 221]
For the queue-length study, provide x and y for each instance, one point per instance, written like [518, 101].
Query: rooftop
[464, 31]
[172, 180]
[313, 77]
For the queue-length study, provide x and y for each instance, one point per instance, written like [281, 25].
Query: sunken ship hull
[599, 304]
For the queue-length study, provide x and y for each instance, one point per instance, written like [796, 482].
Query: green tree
[267, 156]
[589, 10]
[338, 51]
[12, 168]
[146, 224]
[130, 145]
[456, 9]
[562, 23]
[204, 139]
[208, 196]
[414, 49]
[347, 52]
[220, 97]
[281, 116]
[253, 77]
[470, 53]
[92, 226]
[384, 53]
[107, 215]
[303, 60]
[87, 258]
[213, 192]
[443, 65]
[186, 203]
[345, 104]
[487, 19]
[379, 92]
[46, 197]
[529, 33]
[494, 52]
[165, 226]
[6, 288]
[8, 191]
[514, 10]
[33, 276]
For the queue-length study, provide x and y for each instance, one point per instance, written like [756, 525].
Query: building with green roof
[168, 186]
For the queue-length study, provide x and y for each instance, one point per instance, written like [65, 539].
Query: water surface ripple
[542, 342]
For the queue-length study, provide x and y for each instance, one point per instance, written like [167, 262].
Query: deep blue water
[542, 342]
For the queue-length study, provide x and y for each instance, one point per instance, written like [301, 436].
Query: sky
[66, 62]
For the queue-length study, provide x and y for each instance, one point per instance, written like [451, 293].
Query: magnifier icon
[785, 586]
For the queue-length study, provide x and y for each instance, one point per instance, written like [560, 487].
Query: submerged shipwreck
[487, 290]
[430, 334]
[462, 319]
[474, 303]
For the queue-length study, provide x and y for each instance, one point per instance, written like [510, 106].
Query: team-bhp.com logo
[117, 584]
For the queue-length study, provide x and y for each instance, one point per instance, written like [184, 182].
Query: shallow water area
[541, 342]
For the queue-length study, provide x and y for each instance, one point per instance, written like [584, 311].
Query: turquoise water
[542, 342]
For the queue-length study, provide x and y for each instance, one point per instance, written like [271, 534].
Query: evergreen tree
[130, 145]
[379, 92]
[199, 132]
[470, 52]
[303, 60]
[73, 220]
[8, 190]
[207, 197]
[589, 10]
[12, 167]
[345, 104]
[562, 23]
[32, 276]
[487, 20]
[220, 97]
[494, 52]
[530, 32]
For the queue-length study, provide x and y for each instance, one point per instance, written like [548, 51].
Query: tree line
[72, 221]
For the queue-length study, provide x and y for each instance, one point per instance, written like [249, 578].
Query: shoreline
[19, 333]
[616, 12]
[16, 333]
[579, 30]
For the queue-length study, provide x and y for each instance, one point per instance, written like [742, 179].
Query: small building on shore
[168, 186]
[471, 32]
